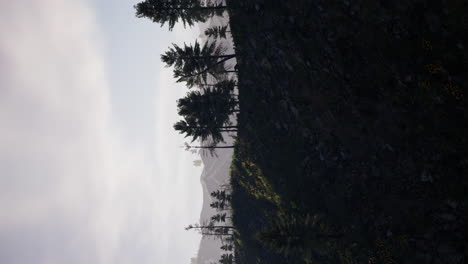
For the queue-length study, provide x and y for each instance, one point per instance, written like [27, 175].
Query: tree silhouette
[194, 63]
[211, 148]
[227, 259]
[227, 247]
[217, 32]
[219, 206]
[221, 203]
[191, 128]
[171, 11]
[229, 240]
[208, 107]
[211, 229]
[219, 218]
[221, 195]
[227, 85]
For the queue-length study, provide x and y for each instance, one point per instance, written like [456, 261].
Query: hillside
[353, 131]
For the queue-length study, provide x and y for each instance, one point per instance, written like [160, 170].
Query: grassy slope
[358, 112]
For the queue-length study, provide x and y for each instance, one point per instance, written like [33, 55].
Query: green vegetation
[352, 129]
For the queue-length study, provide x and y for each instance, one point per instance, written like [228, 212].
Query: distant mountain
[215, 174]
[216, 168]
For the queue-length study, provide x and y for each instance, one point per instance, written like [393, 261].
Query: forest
[350, 121]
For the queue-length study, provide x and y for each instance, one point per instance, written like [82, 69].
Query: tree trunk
[194, 8]
[208, 227]
[209, 57]
[214, 85]
[222, 147]
[209, 67]
[225, 127]
[219, 235]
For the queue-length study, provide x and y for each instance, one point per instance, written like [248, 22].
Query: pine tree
[217, 32]
[227, 247]
[191, 128]
[193, 64]
[208, 107]
[219, 218]
[226, 259]
[227, 85]
[210, 229]
[171, 11]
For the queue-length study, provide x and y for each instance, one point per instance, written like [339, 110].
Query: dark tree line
[208, 106]
[206, 112]
[188, 12]
[219, 226]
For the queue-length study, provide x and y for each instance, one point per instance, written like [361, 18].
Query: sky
[91, 170]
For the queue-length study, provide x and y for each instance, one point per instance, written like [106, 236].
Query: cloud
[178, 178]
[71, 190]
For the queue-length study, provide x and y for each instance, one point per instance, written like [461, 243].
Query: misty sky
[90, 167]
